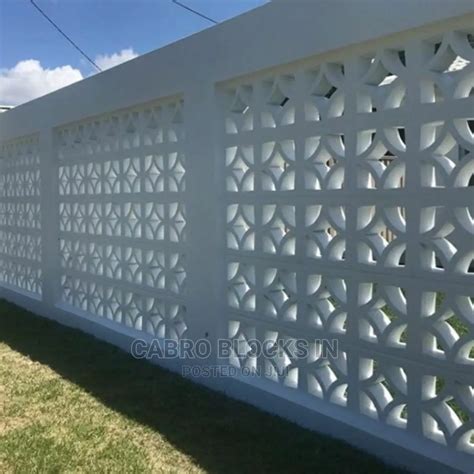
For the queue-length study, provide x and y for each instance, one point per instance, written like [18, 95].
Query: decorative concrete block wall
[349, 207]
[122, 217]
[318, 187]
[20, 215]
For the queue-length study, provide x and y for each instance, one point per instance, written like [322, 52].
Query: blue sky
[109, 31]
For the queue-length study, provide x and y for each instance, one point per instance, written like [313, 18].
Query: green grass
[70, 403]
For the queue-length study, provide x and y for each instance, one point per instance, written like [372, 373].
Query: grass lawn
[70, 403]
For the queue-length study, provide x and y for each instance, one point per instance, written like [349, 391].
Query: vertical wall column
[204, 233]
[49, 218]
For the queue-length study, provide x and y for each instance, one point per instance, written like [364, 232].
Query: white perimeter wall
[302, 171]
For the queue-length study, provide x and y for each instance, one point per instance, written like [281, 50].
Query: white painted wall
[233, 184]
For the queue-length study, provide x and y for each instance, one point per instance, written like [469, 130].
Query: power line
[65, 35]
[194, 11]
[176, 2]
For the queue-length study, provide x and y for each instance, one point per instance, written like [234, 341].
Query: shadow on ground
[222, 435]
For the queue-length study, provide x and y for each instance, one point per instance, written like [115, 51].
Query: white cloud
[29, 80]
[105, 61]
